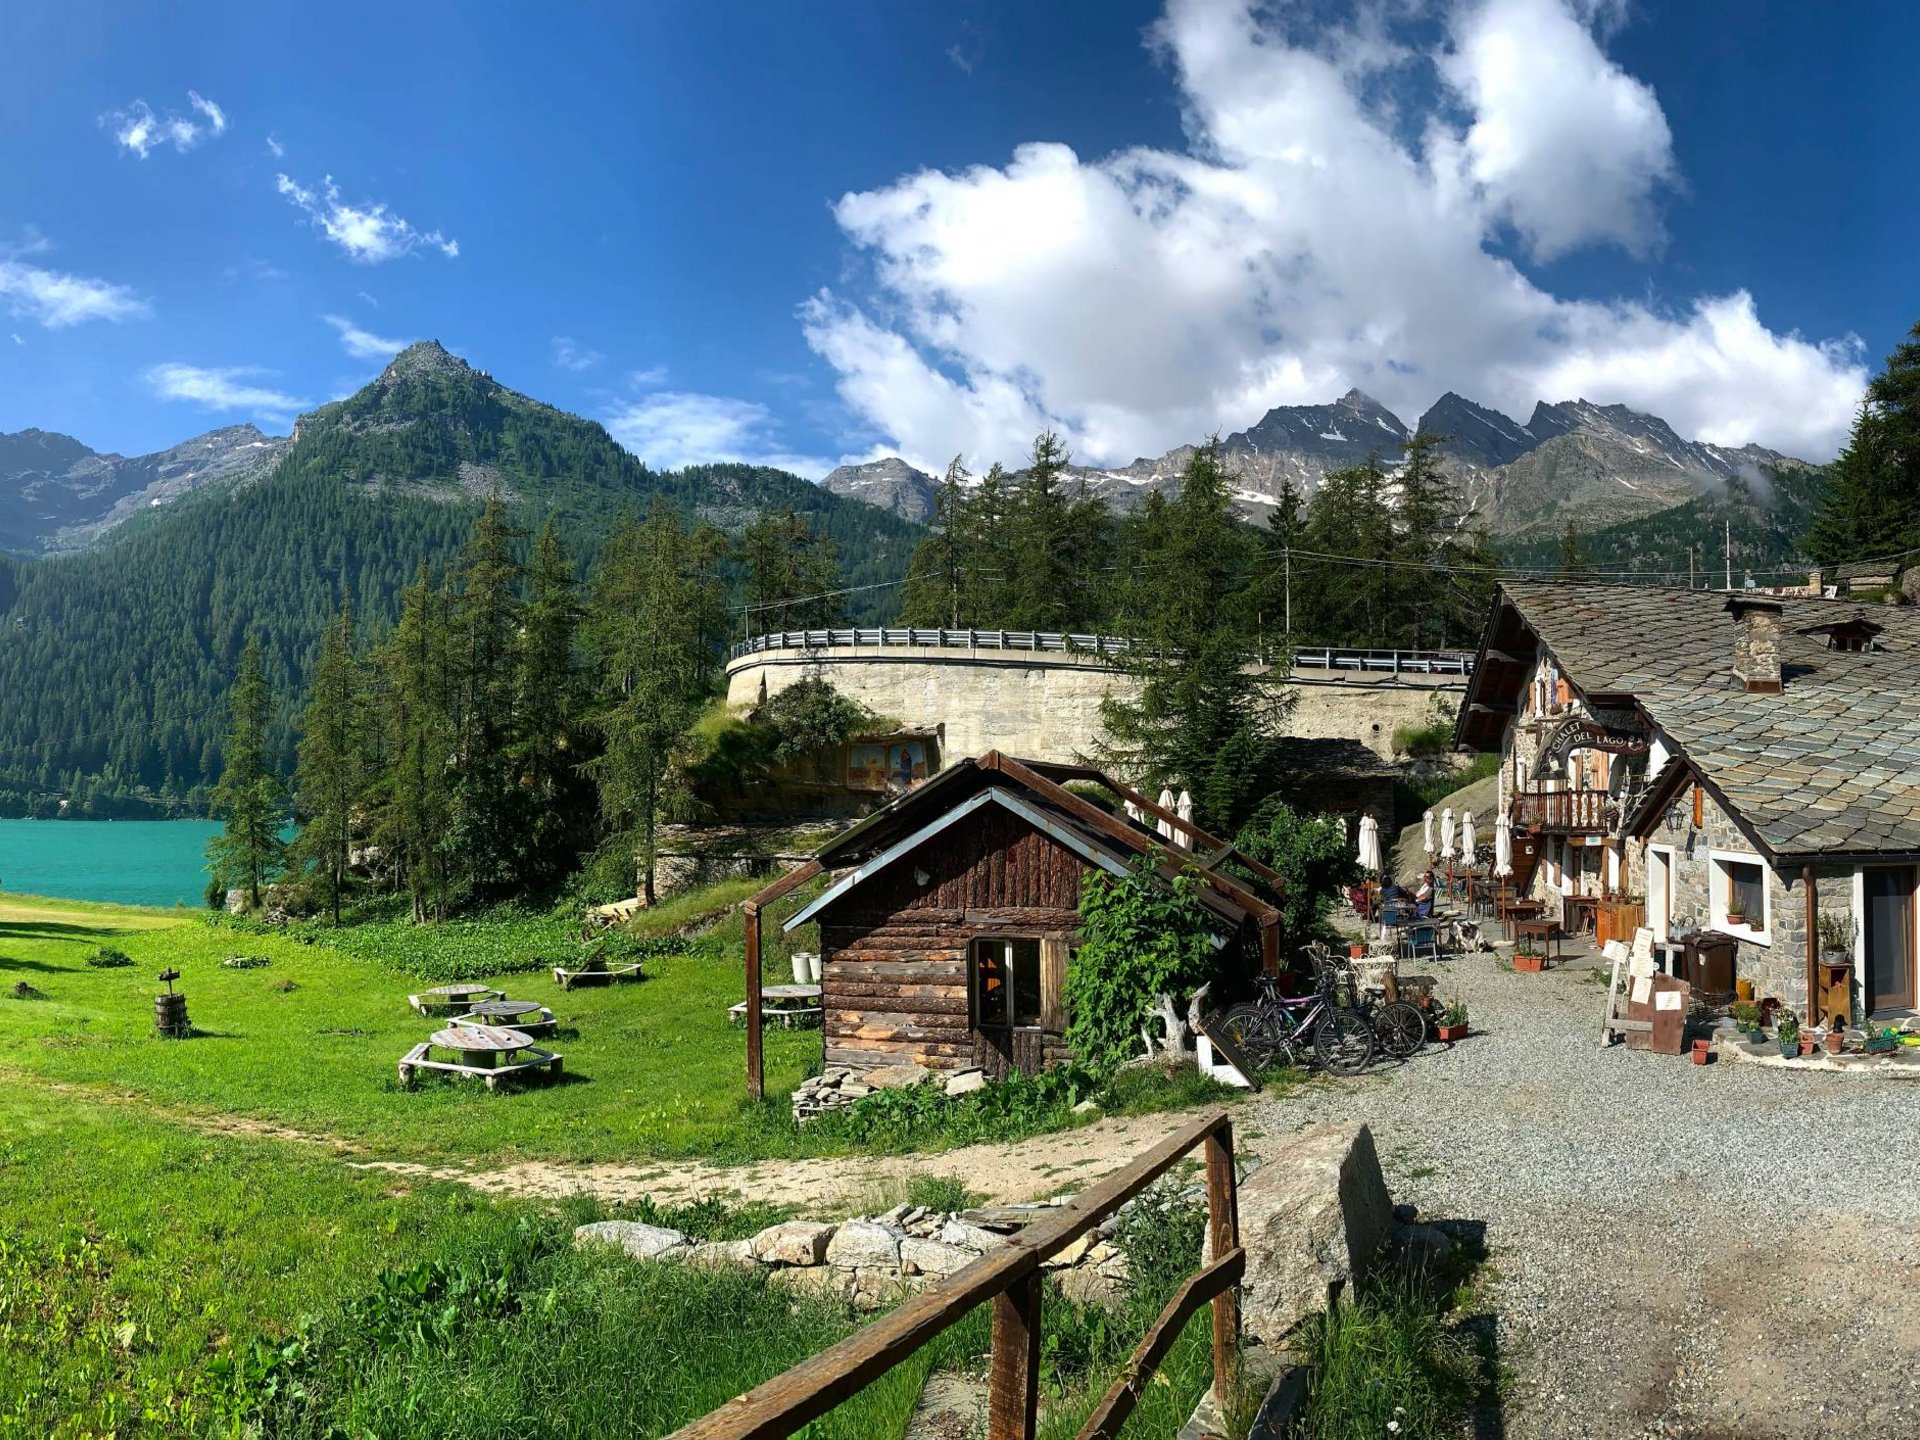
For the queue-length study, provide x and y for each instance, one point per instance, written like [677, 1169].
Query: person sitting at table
[1423, 897]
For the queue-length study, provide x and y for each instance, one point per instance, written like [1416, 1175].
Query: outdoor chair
[1418, 939]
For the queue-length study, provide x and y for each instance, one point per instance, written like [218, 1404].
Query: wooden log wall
[894, 951]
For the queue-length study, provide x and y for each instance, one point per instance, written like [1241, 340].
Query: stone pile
[840, 1085]
[871, 1261]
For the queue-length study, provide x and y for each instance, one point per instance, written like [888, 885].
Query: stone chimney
[1756, 642]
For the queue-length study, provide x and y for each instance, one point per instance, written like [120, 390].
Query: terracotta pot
[1356, 952]
[1806, 1044]
[1529, 964]
[1836, 1041]
[1451, 1033]
[1702, 1049]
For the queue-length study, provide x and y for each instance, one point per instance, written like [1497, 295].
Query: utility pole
[1286, 565]
[1689, 567]
[1729, 557]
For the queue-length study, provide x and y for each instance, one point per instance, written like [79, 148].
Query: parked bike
[1288, 1029]
[1398, 1025]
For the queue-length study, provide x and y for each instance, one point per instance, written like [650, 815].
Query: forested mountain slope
[115, 661]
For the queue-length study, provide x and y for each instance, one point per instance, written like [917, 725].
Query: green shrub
[1314, 860]
[1140, 939]
[944, 1193]
[107, 958]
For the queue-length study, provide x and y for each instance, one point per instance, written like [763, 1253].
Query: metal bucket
[170, 1017]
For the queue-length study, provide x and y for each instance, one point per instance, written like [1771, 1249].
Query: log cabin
[950, 917]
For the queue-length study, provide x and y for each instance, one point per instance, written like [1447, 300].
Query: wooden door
[1889, 939]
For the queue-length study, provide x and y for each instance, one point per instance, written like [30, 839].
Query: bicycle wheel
[1255, 1031]
[1400, 1028]
[1344, 1042]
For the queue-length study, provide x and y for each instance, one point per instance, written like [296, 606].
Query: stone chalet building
[1721, 756]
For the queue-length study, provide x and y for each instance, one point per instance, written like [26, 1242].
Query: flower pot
[1789, 1047]
[1836, 1041]
[1529, 964]
[1806, 1044]
[1356, 952]
[1451, 1033]
[1702, 1049]
[1736, 917]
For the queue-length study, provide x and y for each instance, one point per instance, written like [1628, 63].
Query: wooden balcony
[1561, 812]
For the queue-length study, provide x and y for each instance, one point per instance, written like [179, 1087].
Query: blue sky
[807, 233]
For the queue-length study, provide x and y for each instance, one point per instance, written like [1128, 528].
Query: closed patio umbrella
[1467, 838]
[1184, 809]
[1446, 833]
[1135, 813]
[1426, 832]
[1370, 845]
[1166, 803]
[1502, 848]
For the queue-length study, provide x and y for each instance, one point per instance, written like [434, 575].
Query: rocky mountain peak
[423, 358]
[888, 482]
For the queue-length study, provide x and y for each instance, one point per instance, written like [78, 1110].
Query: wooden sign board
[1661, 1002]
[1223, 1046]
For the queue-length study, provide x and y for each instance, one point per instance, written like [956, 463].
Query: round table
[506, 1011]
[493, 1041]
[453, 993]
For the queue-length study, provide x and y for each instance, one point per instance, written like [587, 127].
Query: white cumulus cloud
[56, 299]
[364, 344]
[1320, 230]
[139, 129]
[672, 428]
[368, 232]
[232, 388]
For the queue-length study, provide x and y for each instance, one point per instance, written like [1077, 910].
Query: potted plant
[1356, 949]
[1736, 917]
[1529, 962]
[1787, 1032]
[1453, 1021]
[1835, 930]
[1746, 1015]
[1883, 1041]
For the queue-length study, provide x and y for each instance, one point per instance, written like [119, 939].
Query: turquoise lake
[129, 862]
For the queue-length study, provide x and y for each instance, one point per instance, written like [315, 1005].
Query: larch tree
[248, 800]
[415, 799]
[330, 779]
[1872, 506]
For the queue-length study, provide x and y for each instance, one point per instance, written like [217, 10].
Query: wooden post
[1813, 944]
[1013, 1387]
[1223, 1220]
[756, 1077]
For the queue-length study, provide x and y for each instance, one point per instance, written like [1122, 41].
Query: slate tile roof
[1832, 765]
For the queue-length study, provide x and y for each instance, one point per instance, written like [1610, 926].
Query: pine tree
[1573, 559]
[656, 619]
[1872, 506]
[419, 734]
[791, 575]
[932, 592]
[248, 799]
[485, 614]
[331, 778]
[549, 714]
[1201, 717]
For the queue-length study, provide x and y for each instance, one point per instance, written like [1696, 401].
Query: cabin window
[1006, 982]
[1740, 888]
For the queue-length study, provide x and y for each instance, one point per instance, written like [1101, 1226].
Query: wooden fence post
[1013, 1388]
[756, 1075]
[1223, 1219]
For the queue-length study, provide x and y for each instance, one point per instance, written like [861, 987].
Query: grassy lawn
[310, 1041]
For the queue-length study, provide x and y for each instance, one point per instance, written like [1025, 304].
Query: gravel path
[1712, 1252]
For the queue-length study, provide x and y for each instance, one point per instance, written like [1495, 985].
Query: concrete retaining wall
[1045, 705]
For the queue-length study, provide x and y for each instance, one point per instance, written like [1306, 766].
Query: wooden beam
[1013, 1381]
[1813, 943]
[792, 880]
[780, 1406]
[1223, 1231]
[1110, 1415]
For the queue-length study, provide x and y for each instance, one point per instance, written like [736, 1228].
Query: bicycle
[1398, 1025]
[1280, 1028]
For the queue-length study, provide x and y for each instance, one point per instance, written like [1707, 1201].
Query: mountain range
[1590, 464]
[115, 659]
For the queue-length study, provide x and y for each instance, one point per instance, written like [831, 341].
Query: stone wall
[1044, 705]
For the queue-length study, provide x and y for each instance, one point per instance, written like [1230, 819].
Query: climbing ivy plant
[1140, 939]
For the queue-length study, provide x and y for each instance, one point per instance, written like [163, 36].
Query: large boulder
[642, 1242]
[933, 1257]
[1311, 1220]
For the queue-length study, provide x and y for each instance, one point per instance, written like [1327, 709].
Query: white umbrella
[1166, 803]
[1426, 832]
[1370, 844]
[1467, 838]
[1446, 833]
[1135, 813]
[1502, 848]
[1184, 809]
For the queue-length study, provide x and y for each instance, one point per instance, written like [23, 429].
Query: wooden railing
[1010, 1277]
[1578, 812]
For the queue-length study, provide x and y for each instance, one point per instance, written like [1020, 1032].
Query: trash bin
[1710, 965]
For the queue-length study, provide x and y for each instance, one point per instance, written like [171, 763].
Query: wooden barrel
[170, 1017]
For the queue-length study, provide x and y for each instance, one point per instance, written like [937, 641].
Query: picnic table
[529, 1016]
[790, 1006]
[504, 1051]
[596, 972]
[453, 999]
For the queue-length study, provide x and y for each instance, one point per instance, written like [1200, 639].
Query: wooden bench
[566, 979]
[499, 1046]
[453, 999]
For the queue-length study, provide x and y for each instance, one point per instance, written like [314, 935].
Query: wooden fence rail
[1010, 1278]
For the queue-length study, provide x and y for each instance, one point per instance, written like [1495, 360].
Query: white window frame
[1718, 883]
[1660, 921]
